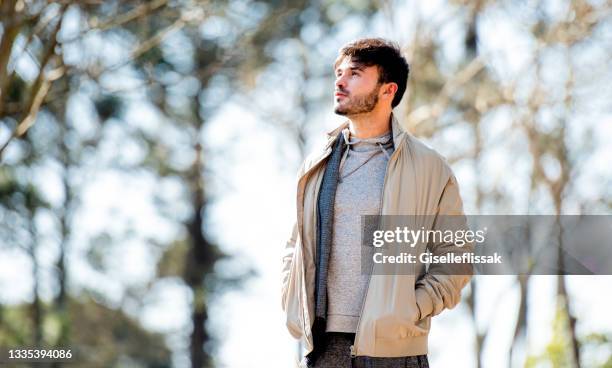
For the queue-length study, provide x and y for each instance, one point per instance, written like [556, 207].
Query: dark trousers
[336, 354]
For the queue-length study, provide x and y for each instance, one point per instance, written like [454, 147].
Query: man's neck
[372, 124]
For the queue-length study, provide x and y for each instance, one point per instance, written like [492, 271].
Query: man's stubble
[360, 104]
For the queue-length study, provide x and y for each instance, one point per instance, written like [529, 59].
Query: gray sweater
[359, 193]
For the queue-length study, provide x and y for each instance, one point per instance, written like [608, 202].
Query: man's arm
[441, 286]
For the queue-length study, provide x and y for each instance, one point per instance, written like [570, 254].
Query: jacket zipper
[352, 348]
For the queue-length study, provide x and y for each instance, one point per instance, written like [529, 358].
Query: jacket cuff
[423, 302]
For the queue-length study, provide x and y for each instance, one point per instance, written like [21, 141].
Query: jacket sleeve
[288, 254]
[441, 286]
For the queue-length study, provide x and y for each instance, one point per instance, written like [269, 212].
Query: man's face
[357, 88]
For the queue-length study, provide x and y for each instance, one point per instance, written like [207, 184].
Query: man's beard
[360, 104]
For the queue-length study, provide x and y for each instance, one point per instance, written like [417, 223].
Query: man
[369, 166]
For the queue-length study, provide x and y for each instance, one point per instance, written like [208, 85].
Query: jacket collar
[396, 130]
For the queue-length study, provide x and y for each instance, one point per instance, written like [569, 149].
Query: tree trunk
[36, 308]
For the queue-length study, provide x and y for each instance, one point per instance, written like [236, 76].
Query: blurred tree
[556, 354]
[103, 337]
[21, 201]
[38, 27]
[68, 69]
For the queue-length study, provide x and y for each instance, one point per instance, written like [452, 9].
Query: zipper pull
[352, 351]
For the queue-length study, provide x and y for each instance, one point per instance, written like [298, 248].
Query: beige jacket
[397, 309]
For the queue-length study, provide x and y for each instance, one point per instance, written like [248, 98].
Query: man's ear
[389, 89]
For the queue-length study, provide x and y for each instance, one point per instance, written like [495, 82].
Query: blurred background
[148, 152]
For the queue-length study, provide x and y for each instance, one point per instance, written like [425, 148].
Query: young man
[369, 166]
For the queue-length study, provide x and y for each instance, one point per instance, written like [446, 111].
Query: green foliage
[558, 351]
[600, 344]
[14, 323]
[101, 336]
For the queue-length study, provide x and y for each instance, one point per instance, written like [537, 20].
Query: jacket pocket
[393, 326]
[294, 314]
[293, 302]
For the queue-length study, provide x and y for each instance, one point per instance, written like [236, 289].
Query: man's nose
[340, 83]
